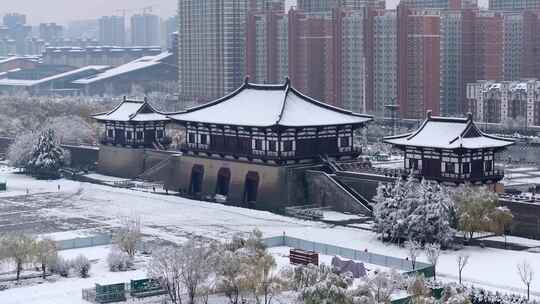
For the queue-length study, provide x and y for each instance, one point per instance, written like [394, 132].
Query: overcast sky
[62, 11]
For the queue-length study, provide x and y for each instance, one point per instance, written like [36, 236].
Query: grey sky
[62, 11]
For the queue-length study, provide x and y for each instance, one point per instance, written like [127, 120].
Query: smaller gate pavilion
[134, 124]
[451, 150]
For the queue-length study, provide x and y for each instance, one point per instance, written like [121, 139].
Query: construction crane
[144, 10]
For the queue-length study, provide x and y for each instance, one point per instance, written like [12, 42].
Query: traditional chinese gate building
[451, 150]
[242, 145]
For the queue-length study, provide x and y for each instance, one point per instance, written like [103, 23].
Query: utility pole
[393, 109]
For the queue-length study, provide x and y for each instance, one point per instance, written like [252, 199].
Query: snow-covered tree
[433, 251]
[500, 220]
[526, 274]
[128, 236]
[197, 263]
[414, 249]
[415, 211]
[72, 129]
[19, 249]
[20, 151]
[46, 254]
[184, 270]
[47, 157]
[231, 279]
[166, 267]
[118, 260]
[377, 288]
[81, 265]
[331, 289]
[474, 206]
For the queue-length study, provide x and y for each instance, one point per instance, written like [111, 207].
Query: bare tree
[129, 235]
[184, 270]
[526, 274]
[231, 279]
[20, 249]
[165, 266]
[413, 249]
[46, 254]
[433, 251]
[197, 263]
[462, 261]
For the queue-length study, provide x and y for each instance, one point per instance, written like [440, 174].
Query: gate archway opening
[223, 181]
[196, 182]
[251, 188]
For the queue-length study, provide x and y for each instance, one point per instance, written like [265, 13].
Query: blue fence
[367, 257]
[84, 242]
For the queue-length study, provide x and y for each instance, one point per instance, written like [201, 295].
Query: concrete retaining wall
[526, 221]
[324, 191]
[272, 179]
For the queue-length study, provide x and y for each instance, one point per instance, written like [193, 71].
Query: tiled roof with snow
[257, 105]
[132, 110]
[448, 133]
[29, 83]
[135, 65]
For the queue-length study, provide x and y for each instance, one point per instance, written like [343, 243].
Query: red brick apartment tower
[488, 51]
[418, 62]
[530, 33]
[311, 54]
[266, 43]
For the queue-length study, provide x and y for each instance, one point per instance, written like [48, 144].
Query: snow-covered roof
[138, 64]
[448, 133]
[258, 105]
[132, 110]
[29, 83]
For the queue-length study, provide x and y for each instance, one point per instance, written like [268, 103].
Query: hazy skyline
[63, 11]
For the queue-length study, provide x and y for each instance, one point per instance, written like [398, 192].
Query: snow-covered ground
[281, 255]
[69, 290]
[175, 219]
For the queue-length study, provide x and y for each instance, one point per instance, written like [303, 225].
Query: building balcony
[262, 155]
[492, 176]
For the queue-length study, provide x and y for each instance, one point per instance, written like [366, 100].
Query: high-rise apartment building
[514, 5]
[353, 58]
[112, 30]
[488, 46]
[267, 42]
[14, 19]
[212, 47]
[384, 61]
[14, 34]
[456, 59]
[328, 5]
[51, 33]
[418, 62]
[145, 30]
[519, 45]
[441, 4]
[311, 54]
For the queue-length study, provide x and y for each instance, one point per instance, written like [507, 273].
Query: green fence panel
[405, 300]
[110, 293]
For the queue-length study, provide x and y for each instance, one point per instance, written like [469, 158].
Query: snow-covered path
[173, 218]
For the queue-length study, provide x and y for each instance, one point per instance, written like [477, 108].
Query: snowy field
[89, 207]
[521, 176]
